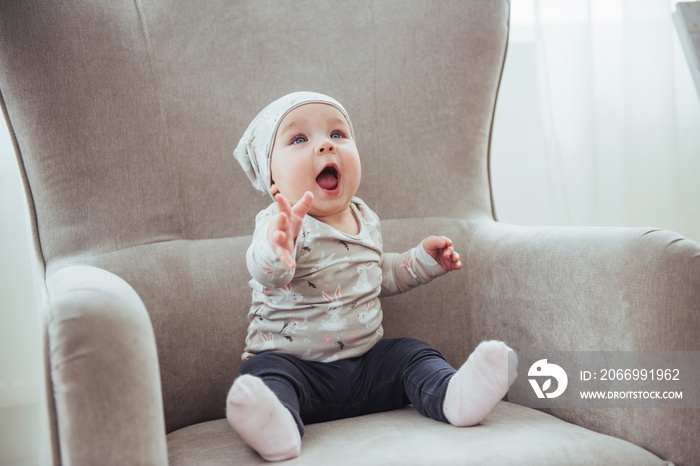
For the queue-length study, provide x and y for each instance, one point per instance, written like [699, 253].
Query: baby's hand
[285, 227]
[441, 249]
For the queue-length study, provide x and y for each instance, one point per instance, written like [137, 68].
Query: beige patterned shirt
[327, 308]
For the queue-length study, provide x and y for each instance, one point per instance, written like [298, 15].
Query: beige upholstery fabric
[125, 115]
[510, 435]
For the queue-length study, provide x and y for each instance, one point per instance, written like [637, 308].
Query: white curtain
[598, 120]
[23, 419]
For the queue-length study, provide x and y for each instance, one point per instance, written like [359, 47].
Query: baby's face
[314, 151]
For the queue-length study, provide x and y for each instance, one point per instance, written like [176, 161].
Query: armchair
[124, 116]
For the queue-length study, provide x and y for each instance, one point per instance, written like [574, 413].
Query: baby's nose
[325, 147]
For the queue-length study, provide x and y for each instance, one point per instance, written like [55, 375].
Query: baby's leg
[479, 384]
[258, 416]
[402, 371]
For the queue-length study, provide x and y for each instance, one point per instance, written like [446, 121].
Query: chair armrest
[585, 289]
[104, 370]
[593, 289]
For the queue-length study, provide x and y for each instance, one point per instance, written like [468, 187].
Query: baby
[314, 350]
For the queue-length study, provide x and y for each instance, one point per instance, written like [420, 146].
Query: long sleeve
[263, 264]
[402, 272]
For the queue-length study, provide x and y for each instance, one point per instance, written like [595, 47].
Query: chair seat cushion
[511, 434]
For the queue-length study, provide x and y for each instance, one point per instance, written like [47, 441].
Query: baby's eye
[298, 139]
[337, 135]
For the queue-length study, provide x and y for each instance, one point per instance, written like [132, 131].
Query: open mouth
[328, 178]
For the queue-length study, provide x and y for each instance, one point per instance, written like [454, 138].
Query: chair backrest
[125, 115]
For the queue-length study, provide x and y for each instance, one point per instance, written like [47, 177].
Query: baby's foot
[257, 415]
[479, 384]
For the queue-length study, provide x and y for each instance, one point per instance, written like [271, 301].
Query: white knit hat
[255, 147]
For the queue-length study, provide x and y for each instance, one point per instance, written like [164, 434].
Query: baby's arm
[270, 255]
[435, 256]
[284, 228]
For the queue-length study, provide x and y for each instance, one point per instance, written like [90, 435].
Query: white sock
[479, 384]
[258, 416]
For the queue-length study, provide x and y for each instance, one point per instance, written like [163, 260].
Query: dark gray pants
[393, 374]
